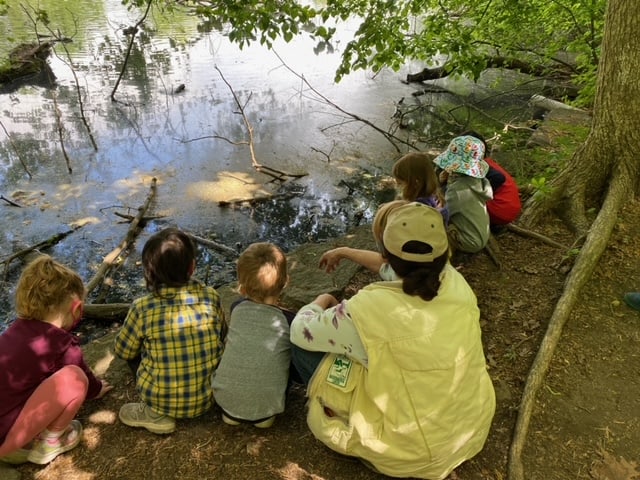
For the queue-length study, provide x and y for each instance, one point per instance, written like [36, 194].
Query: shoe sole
[265, 423]
[152, 428]
[229, 421]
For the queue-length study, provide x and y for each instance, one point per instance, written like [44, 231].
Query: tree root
[586, 261]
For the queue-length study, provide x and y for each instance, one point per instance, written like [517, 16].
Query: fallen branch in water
[69, 63]
[10, 202]
[35, 248]
[115, 258]
[390, 137]
[105, 311]
[215, 245]
[131, 218]
[255, 200]
[130, 31]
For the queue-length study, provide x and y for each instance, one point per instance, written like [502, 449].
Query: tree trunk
[604, 172]
[614, 140]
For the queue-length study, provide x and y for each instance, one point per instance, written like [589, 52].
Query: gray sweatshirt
[466, 199]
[250, 382]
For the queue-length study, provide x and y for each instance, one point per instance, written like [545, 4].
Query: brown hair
[44, 286]
[419, 279]
[380, 220]
[262, 271]
[416, 171]
[167, 259]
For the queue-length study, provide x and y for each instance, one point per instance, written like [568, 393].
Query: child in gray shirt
[250, 383]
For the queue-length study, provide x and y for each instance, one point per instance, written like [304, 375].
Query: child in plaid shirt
[173, 337]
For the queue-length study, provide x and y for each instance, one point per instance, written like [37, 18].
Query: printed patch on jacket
[339, 371]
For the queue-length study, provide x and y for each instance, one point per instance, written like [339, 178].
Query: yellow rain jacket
[425, 403]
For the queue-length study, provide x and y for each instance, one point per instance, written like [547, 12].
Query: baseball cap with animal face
[464, 155]
[415, 232]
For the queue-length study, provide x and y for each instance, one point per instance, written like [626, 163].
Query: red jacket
[505, 206]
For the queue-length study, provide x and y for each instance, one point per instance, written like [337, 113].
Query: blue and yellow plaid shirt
[178, 336]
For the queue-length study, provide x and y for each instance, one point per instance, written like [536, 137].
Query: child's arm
[367, 258]
[325, 326]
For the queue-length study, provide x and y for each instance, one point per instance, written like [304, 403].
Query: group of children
[475, 195]
[184, 354]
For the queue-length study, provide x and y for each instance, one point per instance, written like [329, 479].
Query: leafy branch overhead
[461, 35]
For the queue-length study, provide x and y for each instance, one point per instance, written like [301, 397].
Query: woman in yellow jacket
[404, 384]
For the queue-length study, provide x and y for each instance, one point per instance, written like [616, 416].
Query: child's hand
[443, 177]
[105, 388]
[331, 259]
[326, 300]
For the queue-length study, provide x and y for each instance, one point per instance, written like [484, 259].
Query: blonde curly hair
[44, 286]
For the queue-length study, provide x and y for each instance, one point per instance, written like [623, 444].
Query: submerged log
[106, 311]
[26, 59]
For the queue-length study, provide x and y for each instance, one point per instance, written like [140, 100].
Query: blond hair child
[251, 381]
[45, 378]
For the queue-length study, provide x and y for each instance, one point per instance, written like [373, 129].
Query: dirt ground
[585, 424]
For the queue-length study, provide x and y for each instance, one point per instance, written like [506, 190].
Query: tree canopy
[557, 35]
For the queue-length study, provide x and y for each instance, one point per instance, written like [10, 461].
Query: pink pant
[52, 406]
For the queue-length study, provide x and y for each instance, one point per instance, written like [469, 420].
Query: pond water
[192, 139]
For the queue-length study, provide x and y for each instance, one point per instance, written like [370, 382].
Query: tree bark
[603, 172]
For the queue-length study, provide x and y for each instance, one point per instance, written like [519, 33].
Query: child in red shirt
[505, 206]
[44, 379]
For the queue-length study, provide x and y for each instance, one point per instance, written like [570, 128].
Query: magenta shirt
[31, 351]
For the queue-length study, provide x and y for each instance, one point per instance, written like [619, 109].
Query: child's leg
[51, 407]
[305, 362]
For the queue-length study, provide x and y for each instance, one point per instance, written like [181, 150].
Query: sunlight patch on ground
[293, 471]
[102, 416]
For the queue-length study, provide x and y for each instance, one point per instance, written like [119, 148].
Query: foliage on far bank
[561, 37]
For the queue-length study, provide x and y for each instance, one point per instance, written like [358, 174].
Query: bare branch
[391, 138]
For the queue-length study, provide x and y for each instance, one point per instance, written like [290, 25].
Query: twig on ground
[528, 233]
